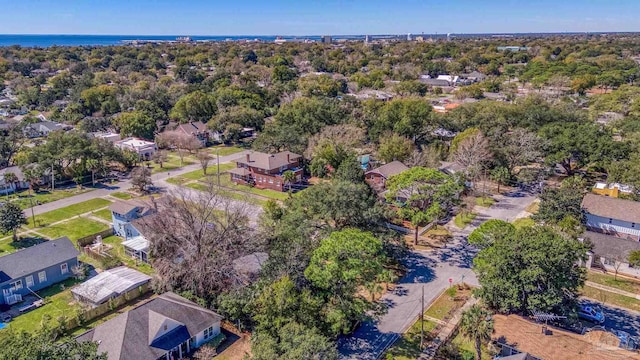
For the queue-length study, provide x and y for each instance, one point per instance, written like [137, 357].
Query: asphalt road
[431, 271]
[617, 318]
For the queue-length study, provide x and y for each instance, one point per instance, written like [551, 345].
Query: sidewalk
[612, 290]
[445, 333]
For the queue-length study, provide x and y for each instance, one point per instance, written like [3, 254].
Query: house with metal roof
[36, 268]
[109, 284]
[167, 327]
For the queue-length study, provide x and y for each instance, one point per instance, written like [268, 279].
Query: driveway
[431, 271]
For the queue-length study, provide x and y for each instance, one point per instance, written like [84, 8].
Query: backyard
[75, 229]
[68, 212]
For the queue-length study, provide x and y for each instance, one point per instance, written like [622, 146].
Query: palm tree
[476, 325]
[10, 179]
[93, 165]
[288, 178]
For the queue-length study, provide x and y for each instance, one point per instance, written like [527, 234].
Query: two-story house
[36, 268]
[199, 131]
[123, 215]
[613, 216]
[168, 327]
[265, 171]
[377, 178]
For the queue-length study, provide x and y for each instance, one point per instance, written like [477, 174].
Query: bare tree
[426, 156]
[347, 136]
[180, 141]
[204, 158]
[520, 147]
[160, 157]
[473, 153]
[141, 178]
[195, 237]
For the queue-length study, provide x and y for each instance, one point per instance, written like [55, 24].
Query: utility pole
[218, 161]
[53, 179]
[422, 321]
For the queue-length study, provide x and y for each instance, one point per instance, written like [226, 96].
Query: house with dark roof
[610, 253]
[8, 187]
[167, 327]
[613, 216]
[265, 171]
[124, 215]
[199, 131]
[377, 178]
[36, 268]
[43, 128]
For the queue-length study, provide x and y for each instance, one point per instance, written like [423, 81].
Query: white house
[611, 253]
[168, 327]
[612, 216]
[11, 187]
[145, 149]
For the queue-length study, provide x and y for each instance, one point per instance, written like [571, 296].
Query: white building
[612, 216]
[145, 149]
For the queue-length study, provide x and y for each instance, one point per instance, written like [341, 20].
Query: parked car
[591, 313]
[5, 318]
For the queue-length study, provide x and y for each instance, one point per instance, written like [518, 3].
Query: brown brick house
[264, 171]
[377, 178]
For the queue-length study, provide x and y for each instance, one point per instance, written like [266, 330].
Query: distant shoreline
[45, 40]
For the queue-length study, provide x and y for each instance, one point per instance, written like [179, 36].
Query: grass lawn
[211, 172]
[523, 222]
[104, 214]
[624, 284]
[172, 163]
[467, 347]
[534, 207]
[7, 245]
[74, 229]
[122, 195]
[58, 303]
[271, 194]
[463, 219]
[228, 194]
[485, 201]
[23, 199]
[223, 150]
[69, 211]
[118, 250]
[611, 298]
[408, 346]
[444, 304]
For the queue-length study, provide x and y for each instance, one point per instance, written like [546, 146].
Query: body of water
[105, 40]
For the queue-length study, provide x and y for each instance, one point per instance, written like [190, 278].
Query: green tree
[476, 325]
[11, 219]
[427, 193]
[42, 345]
[195, 106]
[634, 258]
[530, 269]
[501, 176]
[288, 177]
[557, 203]
[137, 124]
[93, 165]
[395, 147]
[491, 230]
[293, 341]
[10, 179]
[350, 170]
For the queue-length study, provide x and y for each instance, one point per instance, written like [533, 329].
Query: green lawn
[75, 229]
[523, 222]
[7, 245]
[408, 346]
[534, 207]
[118, 250]
[172, 163]
[211, 172]
[104, 214]
[485, 201]
[122, 195]
[271, 194]
[228, 194]
[223, 150]
[467, 348]
[441, 307]
[624, 284]
[611, 298]
[23, 199]
[463, 219]
[69, 211]
[58, 302]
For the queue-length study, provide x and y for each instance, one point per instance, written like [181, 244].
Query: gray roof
[193, 128]
[436, 82]
[36, 258]
[132, 335]
[109, 284]
[390, 169]
[613, 208]
[124, 207]
[609, 246]
[521, 356]
[13, 169]
[450, 167]
[49, 125]
[268, 161]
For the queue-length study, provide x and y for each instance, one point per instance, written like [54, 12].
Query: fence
[85, 315]
[89, 239]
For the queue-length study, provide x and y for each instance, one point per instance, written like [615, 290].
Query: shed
[109, 284]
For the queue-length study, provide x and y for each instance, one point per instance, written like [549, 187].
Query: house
[36, 268]
[475, 76]
[197, 130]
[377, 178]
[109, 284]
[11, 187]
[145, 149]
[165, 328]
[610, 252]
[265, 171]
[43, 128]
[612, 190]
[451, 168]
[108, 136]
[612, 216]
[124, 215]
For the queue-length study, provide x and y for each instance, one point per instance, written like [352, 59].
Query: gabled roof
[268, 161]
[110, 283]
[390, 169]
[192, 127]
[13, 169]
[612, 208]
[127, 336]
[36, 258]
[123, 207]
[610, 246]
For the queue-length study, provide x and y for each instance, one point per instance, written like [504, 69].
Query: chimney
[288, 160]
[247, 156]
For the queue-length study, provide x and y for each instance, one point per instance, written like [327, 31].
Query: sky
[314, 17]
